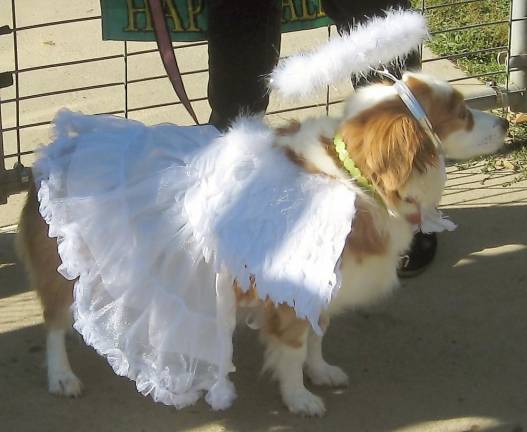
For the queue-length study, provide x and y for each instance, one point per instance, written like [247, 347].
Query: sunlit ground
[19, 311]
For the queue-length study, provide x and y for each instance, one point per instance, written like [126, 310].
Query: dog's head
[393, 151]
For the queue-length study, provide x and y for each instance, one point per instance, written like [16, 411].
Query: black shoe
[421, 253]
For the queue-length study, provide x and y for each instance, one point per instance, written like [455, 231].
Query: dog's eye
[463, 114]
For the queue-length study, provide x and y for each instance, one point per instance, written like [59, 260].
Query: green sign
[187, 19]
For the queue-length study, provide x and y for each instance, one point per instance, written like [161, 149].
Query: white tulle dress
[155, 223]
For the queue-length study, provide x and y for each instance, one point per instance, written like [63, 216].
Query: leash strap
[166, 51]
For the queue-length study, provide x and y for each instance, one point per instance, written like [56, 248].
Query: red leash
[164, 44]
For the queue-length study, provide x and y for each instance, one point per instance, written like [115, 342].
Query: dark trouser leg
[345, 12]
[244, 47]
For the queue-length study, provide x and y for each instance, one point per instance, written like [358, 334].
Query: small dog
[393, 153]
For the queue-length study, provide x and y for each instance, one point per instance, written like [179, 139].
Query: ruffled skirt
[155, 223]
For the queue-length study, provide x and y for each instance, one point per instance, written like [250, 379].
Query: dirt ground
[446, 353]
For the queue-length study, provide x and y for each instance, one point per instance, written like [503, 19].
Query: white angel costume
[155, 224]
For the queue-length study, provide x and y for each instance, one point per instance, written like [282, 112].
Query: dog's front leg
[318, 370]
[286, 337]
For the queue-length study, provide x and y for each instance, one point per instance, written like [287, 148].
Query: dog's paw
[64, 383]
[305, 403]
[221, 395]
[327, 375]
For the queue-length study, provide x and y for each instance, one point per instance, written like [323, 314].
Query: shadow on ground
[12, 280]
[450, 344]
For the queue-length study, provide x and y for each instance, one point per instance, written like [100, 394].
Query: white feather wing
[257, 213]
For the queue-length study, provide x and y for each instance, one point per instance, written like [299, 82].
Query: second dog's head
[393, 151]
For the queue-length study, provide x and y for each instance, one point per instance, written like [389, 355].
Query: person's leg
[244, 47]
[344, 12]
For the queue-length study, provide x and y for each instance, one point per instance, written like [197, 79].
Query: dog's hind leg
[56, 302]
[61, 379]
[286, 336]
[39, 253]
[317, 369]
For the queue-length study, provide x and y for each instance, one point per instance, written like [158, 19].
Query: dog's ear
[387, 144]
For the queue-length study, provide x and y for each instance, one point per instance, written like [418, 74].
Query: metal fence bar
[24, 153]
[469, 27]
[423, 10]
[29, 125]
[518, 52]
[77, 62]
[318, 105]
[176, 47]
[17, 80]
[327, 87]
[448, 4]
[97, 86]
[126, 82]
[48, 122]
[165, 104]
[514, 72]
[488, 98]
[54, 23]
[161, 105]
[466, 54]
[481, 75]
[70, 63]
[58, 92]
[508, 63]
[157, 77]
[102, 58]
[3, 191]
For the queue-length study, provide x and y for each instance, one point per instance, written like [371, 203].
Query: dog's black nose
[503, 122]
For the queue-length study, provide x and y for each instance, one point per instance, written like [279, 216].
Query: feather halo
[379, 41]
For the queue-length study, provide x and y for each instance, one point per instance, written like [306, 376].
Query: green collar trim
[352, 169]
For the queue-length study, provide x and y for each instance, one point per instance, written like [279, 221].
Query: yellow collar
[352, 169]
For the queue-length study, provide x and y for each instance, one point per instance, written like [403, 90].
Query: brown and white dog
[393, 153]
